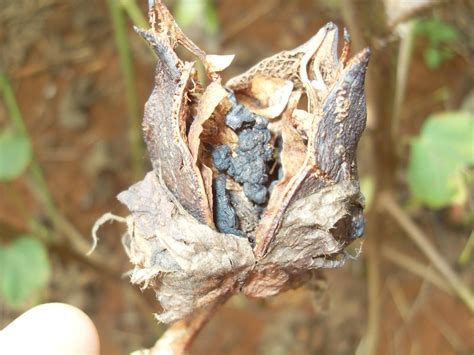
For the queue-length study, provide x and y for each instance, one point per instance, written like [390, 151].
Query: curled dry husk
[315, 209]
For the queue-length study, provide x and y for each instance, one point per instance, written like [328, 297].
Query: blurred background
[73, 81]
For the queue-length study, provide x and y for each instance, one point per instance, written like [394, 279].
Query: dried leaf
[302, 121]
[325, 67]
[331, 150]
[211, 98]
[284, 65]
[207, 106]
[293, 151]
[164, 127]
[218, 63]
[307, 236]
[195, 264]
[267, 96]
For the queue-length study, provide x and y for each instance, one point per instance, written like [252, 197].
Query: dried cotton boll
[235, 204]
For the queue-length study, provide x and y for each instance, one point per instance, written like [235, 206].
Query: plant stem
[367, 22]
[19, 125]
[429, 250]
[39, 187]
[405, 53]
[11, 105]
[412, 265]
[126, 65]
[178, 338]
[134, 12]
[467, 251]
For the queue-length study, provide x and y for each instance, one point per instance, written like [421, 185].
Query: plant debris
[245, 160]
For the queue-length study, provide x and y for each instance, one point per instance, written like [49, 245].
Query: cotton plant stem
[370, 341]
[178, 338]
[366, 21]
[126, 66]
[405, 53]
[422, 241]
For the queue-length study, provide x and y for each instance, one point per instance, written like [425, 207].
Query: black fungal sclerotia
[221, 156]
[224, 212]
[248, 163]
[238, 116]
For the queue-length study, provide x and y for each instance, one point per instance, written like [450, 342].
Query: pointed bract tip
[330, 26]
[364, 56]
[360, 59]
[347, 36]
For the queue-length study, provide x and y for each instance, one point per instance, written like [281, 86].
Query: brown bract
[314, 209]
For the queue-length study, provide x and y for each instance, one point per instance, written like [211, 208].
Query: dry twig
[367, 22]
[422, 241]
[417, 268]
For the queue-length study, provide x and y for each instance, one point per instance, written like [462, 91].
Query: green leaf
[15, 154]
[188, 12]
[440, 36]
[367, 187]
[212, 20]
[438, 157]
[24, 270]
[436, 31]
[433, 58]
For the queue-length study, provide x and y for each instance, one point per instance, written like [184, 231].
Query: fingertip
[52, 328]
